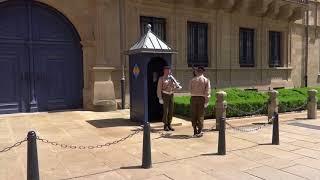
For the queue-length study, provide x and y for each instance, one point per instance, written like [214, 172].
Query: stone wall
[224, 69]
[109, 27]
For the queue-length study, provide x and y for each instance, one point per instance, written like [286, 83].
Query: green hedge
[244, 102]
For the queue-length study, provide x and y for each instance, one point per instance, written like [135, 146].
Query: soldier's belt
[166, 92]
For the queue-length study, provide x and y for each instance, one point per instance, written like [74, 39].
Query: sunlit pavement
[175, 155]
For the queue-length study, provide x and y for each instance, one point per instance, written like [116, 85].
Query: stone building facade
[255, 44]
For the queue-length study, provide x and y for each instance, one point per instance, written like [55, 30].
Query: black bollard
[146, 154]
[222, 137]
[275, 131]
[32, 161]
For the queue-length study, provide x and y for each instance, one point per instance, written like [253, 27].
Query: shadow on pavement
[210, 154]
[265, 144]
[131, 167]
[169, 136]
[117, 122]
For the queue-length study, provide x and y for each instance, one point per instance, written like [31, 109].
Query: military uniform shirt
[200, 86]
[165, 85]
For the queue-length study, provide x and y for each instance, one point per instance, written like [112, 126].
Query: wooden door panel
[12, 78]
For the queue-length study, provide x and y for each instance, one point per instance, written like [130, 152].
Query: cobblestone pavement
[175, 155]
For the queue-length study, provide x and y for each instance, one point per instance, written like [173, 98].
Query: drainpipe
[123, 78]
[306, 45]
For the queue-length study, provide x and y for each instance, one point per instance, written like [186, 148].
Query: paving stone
[252, 154]
[175, 156]
[310, 162]
[229, 174]
[304, 171]
[161, 177]
[267, 173]
[273, 151]
[278, 163]
[183, 172]
[308, 153]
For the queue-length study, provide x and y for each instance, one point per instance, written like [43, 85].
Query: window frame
[200, 31]
[273, 62]
[244, 54]
[145, 20]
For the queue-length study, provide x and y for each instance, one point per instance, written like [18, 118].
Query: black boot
[195, 132]
[166, 128]
[199, 133]
[170, 127]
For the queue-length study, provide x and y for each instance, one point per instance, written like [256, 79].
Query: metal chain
[13, 146]
[247, 113]
[296, 108]
[137, 131]
[247, 130]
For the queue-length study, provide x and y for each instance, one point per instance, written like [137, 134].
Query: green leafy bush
[244, 102]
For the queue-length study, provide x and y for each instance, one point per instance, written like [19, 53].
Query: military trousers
[167, 108]
[197, 111]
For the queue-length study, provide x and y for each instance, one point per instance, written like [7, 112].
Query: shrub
[244, 103]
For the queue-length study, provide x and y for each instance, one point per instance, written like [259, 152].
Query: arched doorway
[155, 70]
[40, 59]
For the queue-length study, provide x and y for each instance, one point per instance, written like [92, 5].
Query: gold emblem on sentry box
[136, 71]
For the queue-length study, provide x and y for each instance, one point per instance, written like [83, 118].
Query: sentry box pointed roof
[150, 43]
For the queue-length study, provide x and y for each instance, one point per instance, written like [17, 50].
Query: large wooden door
[40, 59]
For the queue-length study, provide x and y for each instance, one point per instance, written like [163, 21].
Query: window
[246, 49]
[197, 44]
[274, 49]
[158, 26]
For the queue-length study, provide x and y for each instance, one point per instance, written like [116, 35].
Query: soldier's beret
[201, 68]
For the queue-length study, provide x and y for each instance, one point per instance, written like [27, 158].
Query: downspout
[306, 45]
[122, 57]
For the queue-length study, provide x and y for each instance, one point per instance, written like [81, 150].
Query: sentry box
[146, 61]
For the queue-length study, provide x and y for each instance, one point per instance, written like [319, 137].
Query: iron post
[32, 157]
[275, 131]
[222, 137]
[146, 154]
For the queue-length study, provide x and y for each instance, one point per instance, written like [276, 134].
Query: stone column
[272, 103]
[220, 107]
[103, 90]
[312, 104]
[103, 87]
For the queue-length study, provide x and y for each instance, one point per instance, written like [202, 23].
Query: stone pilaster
[89, 56]
[100, 31]
[103, 88]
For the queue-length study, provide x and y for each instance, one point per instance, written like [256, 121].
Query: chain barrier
[213, 128]
[13, 146]
[303, 106]
[66, 146]
[250, 129]
[260, 110]
[241, 113]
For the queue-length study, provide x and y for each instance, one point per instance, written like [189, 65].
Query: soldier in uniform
[165, 92]
[200, 90]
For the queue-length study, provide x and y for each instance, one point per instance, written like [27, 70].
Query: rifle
[175, 81]
[193, 70]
